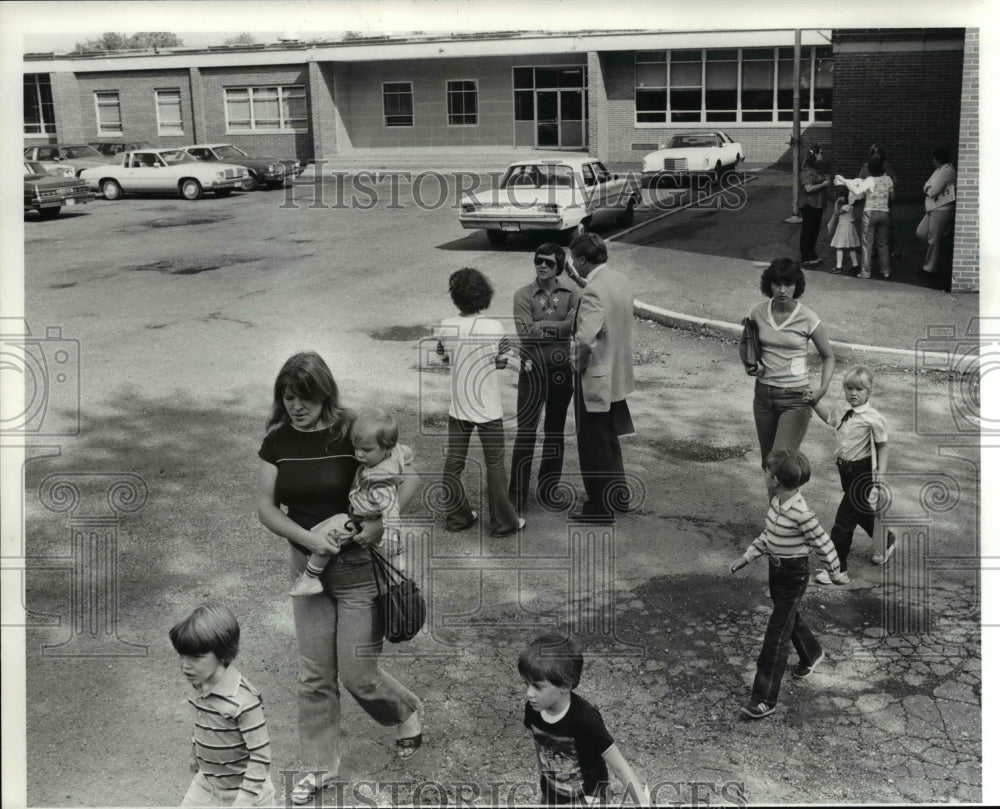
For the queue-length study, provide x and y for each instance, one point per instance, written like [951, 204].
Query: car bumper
[58, 202]
[221, 185]
[517, 224]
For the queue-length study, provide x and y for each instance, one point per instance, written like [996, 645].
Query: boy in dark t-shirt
[573, 747]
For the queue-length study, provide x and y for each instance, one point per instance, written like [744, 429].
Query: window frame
[169, 128]
[449, 94]
[106, 129]
[287, 124]
[386, 115]
[45, 126]
[657, 117]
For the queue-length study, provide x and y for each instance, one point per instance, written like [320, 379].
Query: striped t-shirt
[230, 736]
[790, 530]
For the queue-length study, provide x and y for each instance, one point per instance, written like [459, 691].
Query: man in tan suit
[603, 357]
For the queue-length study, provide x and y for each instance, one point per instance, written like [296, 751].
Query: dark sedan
[48, 195]
[272, 172]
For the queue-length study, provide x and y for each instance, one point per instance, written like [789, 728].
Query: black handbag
[750, 346]
[402, 606]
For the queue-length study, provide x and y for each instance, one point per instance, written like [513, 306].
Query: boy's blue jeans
[781, 416]
[787, 584]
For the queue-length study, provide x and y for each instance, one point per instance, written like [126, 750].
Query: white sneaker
[307, 585]
[822, 577]
[882, 558]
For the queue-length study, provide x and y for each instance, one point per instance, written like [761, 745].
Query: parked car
[48, 194]
[164, 171]
[268, 171]
[80, 156]
[690, 154]
[565, 194]
[112, 148]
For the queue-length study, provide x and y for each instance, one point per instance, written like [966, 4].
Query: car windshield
[538, 175]
[174, 156]
[33, 168]
[691, 141]
[77, 152]
[229, 152]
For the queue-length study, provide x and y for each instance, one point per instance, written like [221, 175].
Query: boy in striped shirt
[231, 750]
[790, 530]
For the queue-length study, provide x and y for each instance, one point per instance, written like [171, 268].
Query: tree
[111, 41]
[241, 39]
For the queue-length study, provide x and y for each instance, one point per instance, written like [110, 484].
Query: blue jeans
[874, 237]
[339, 634]
[781, 416]
[503, 518]
[787, 584]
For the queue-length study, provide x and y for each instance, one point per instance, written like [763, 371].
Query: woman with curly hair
[783, 398]
[305, 474]
[476, 348]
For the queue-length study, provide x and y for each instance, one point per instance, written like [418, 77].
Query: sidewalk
[704, 263]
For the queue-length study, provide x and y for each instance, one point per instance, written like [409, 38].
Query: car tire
[251, 183]
[276, 183]
[110, 189]
[571, 233]
[224, 192]
[496, 236]
[717, 174]
[190, 188]
[627, 217]
[50, 213]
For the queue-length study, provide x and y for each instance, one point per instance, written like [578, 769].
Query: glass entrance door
[547, 118]
[559, 118]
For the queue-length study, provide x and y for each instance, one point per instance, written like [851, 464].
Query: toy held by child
[790, 530]
[373, 494]
[844, 234]
[859, 428]
[573, 747]
[230, 747]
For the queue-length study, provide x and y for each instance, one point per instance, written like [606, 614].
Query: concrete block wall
[965, 264]
[625, 143]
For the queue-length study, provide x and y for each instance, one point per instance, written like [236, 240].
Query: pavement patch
[182, 221]
[400, 334]
[698, 450]
[192, 266]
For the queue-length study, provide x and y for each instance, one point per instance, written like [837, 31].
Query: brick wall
[66, 105]
[906, 100]
[965, 265]
[323, 108]
[137, 100]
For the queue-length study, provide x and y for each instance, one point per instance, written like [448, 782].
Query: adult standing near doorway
[811, 205]
[939, 202]
[603, 357]
[544, 311]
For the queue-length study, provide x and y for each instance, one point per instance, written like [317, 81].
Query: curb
[732, 331]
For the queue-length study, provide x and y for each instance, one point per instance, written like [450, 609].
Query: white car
[565, 194]
[688, 154]
[163, 171]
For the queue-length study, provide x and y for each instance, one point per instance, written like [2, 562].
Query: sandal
[408, 745]
[305, 790]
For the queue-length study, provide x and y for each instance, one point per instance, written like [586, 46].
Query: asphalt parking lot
[181, 313]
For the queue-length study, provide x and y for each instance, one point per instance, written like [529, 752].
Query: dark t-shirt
[569, 751]
[315, 473]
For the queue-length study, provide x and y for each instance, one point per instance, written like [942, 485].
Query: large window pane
[397, 103]
[524, 105]
[39, 111]
[463, 103]
[109, 114]
[720, 88]
[651, 75]
[168, 112]
[271, 108]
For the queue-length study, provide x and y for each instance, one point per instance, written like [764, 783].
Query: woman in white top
[783, 398]
[878, 190]
[939, 201]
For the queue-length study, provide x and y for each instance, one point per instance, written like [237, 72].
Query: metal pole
[796, 126]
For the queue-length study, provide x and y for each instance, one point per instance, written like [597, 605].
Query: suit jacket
[604, 322]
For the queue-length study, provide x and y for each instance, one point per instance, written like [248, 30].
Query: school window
[39, 111]
[168, 112]
[109, 113]
[266, 109]
[397, 103]
[732, 84]
[463, 103]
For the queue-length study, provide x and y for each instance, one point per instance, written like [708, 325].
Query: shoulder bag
[402, 606]
[946, 197]
[750, 346]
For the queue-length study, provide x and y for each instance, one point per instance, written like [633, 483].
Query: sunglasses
[545, 262]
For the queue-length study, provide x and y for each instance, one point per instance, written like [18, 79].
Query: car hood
[48, 181]
[687, 151]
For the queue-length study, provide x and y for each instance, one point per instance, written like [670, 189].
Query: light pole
[796, 127]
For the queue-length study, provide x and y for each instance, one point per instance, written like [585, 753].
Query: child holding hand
[790, 530]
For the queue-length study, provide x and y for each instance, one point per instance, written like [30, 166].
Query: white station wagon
[163, 171]
[694, 153]
[566, 194]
